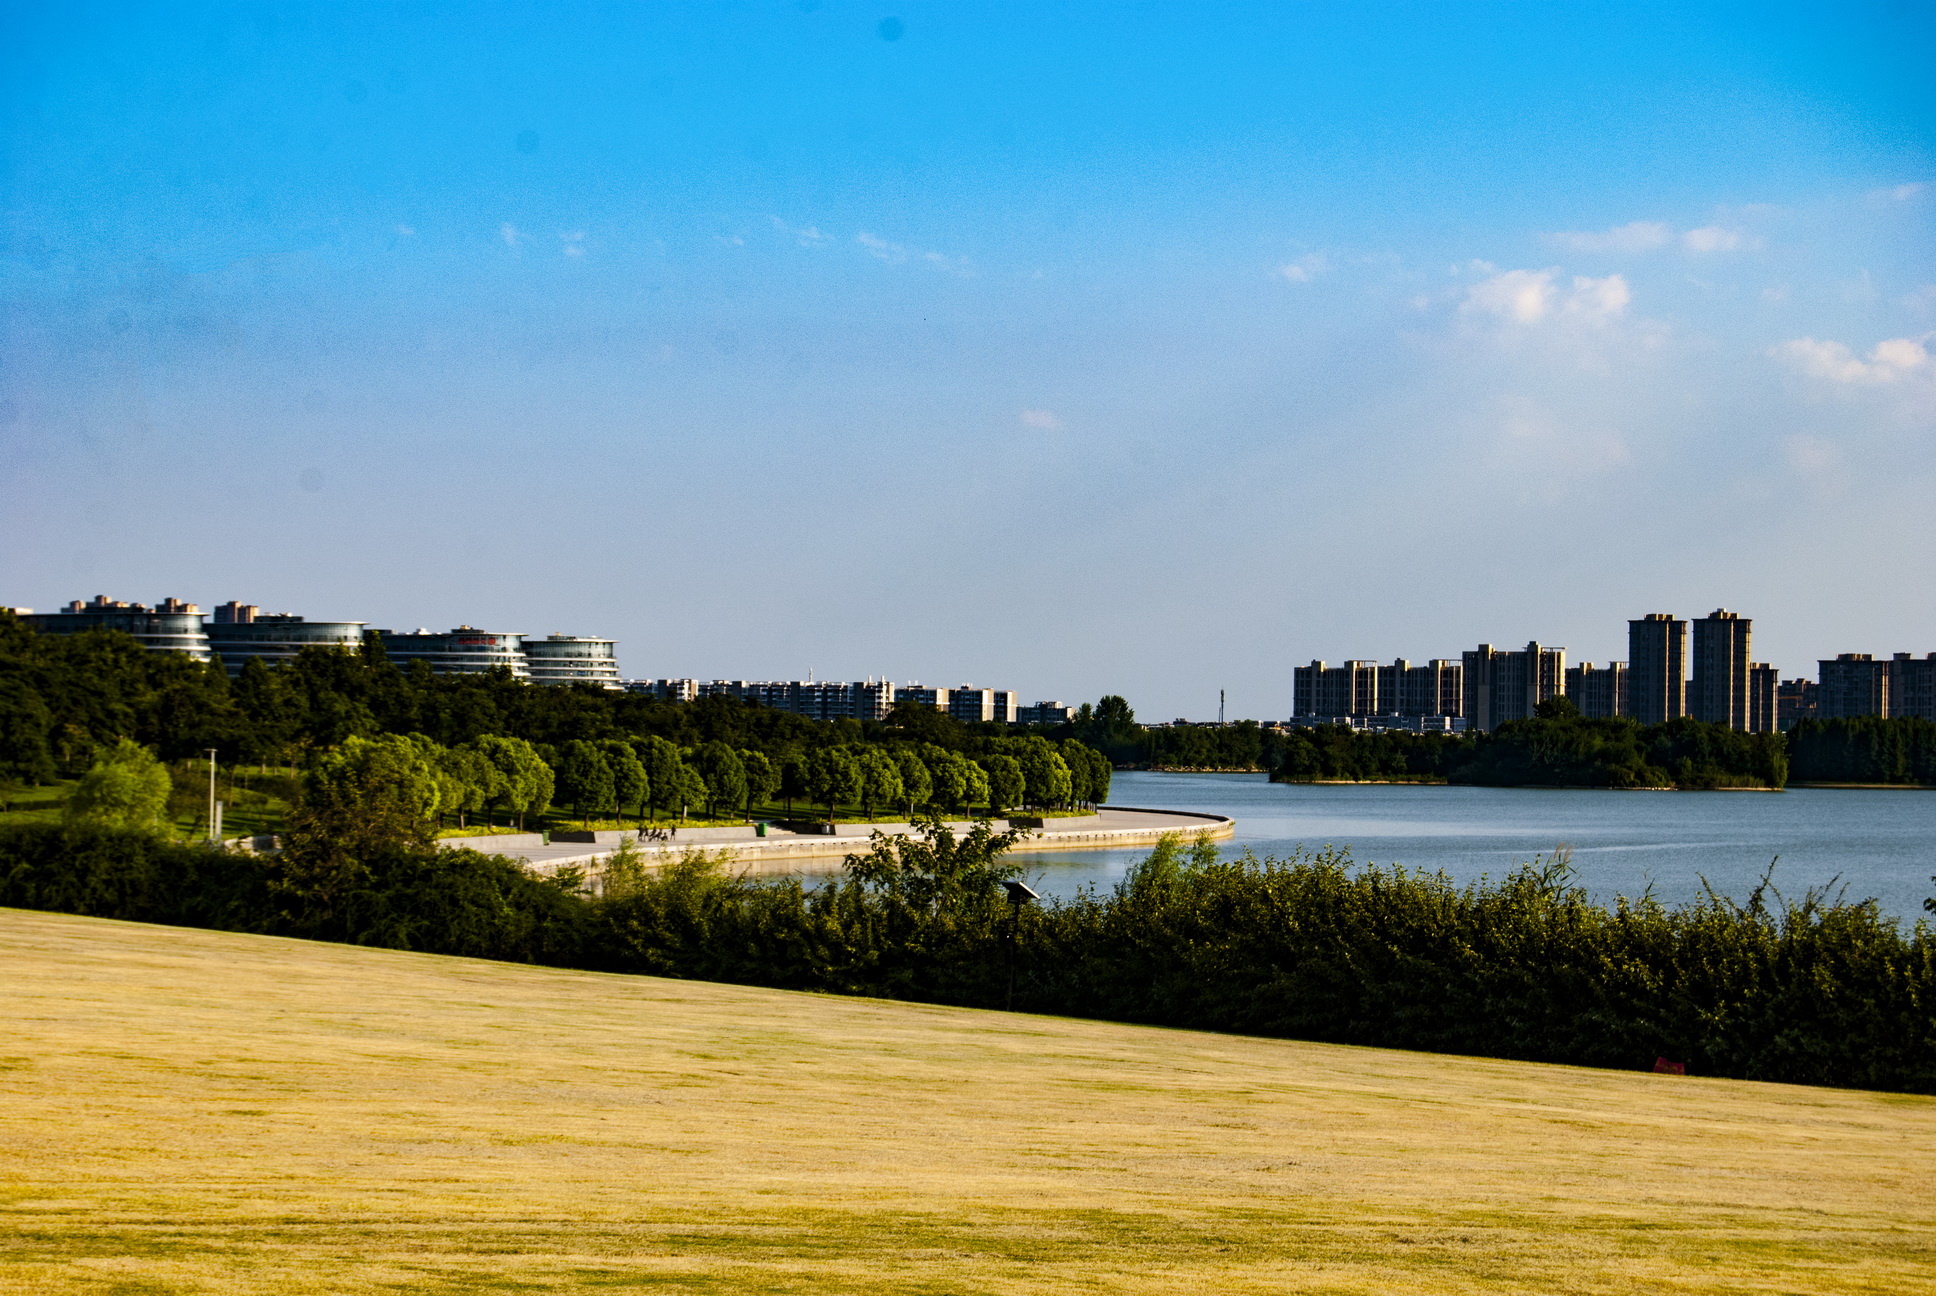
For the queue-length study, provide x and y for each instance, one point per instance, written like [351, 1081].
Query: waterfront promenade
[780, 851]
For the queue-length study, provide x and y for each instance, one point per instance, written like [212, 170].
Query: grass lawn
[196, 1112]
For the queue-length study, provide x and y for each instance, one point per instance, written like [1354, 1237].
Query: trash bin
[759, 829]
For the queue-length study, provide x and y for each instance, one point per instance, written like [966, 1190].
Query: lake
[1880, 843]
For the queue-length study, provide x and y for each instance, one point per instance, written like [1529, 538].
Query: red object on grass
[1663, 1067]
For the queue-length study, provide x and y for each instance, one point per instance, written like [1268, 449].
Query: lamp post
[214, 833]
[1019, 894]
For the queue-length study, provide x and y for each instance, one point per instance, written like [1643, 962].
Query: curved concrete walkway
[782, 852]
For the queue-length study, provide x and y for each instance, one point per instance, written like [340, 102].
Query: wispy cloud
[1647, 236]
[1714, 238]
[1899, 193]
[898, 253]
[1040, 419]
[1636, 236]
[892, 253]
[574, 241]
[804, 235]
[1305, 268]
[1531, 296]
[510, 234]
[1893, 360]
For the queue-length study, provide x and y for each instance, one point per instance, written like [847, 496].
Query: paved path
[783, 852]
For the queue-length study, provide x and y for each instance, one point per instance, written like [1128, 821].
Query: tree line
[485, 748]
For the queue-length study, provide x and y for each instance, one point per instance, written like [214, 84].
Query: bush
[1308, 947]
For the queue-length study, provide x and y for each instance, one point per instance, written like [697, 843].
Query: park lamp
[1019, 893]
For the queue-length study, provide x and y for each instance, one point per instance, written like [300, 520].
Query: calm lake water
[1879, 844]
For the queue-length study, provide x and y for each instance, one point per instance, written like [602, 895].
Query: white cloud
[510, 234]
[1637, 236]
[1598, 298]
[1529, 296]
[1305, 268]
[1713, 238]
[1891, 361]
[892, 253]
[574, 242]
[405, 231]
[1522, 295]
[1040, 419]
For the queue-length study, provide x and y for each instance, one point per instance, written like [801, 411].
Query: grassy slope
[194, 1111]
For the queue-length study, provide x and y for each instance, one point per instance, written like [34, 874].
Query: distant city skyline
[1148, 352]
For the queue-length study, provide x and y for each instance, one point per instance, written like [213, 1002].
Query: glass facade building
[169, 626]
[465, 650]
[276, 638]
[570, 659]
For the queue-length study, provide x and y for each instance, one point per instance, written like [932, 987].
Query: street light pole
[212, 831]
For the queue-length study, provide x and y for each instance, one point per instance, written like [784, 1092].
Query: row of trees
[1557, 747]
[67, 699]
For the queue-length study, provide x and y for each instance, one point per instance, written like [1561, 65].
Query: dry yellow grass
[197, 1112]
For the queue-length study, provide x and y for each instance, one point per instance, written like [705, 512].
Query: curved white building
[572, 659]
[169, 626]
[465, 650]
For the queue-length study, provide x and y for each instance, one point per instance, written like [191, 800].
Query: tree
[974, 783]
[370, 793]
[126, 788]
[25, 723]
[688, 788]
[880, 780]
[833, 778]
[1045, 776]
[762, 778]
[584, 778]
[1005, 784]
[630, 786]
[1076, 757]
[917, 785]
[725, 777]
[1100, 771]
[525, 782]
[482, 782]
[796, 776]
[662, 761]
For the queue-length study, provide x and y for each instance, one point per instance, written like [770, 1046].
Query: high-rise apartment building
[1322, 690]
[1764, 683]
[1856, 684]
[1912, 686]
[1599, 691]
[1719, 686]
[1656, 668]
[1434, 689]
[1509, 684]
[1366, 688]
[1795, 700]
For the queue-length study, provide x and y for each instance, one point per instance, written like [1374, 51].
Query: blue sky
[1074, 349]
